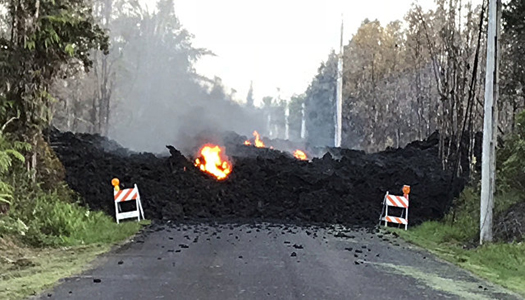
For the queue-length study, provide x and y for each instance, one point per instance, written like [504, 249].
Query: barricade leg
[116, 212]
[406, 218]
[141, 209]
[138, 210]
[386, 214]
[139, 203]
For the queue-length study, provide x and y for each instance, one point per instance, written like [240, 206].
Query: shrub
[511, 158]
[45, 214]
[9, 151]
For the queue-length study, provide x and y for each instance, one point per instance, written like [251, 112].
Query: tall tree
[404, 83]
[513, 61]
[296, 116]
[320, 100]
[371, 62]
[104, 71]
[453, 34]
[147, 81]
[42, 41]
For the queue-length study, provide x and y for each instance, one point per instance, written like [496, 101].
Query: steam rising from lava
[211, 160]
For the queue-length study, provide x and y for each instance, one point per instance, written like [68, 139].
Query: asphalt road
[270, 262]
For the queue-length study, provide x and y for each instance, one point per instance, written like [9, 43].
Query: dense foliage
[512, 158]
[42, 42]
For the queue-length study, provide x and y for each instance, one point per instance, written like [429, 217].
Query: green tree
[364, 69]
[513, 61]
[42, 41]
[512, 157]
[147, 79]
[401, 83]
[267, 101]
[320, 104]
[296, 116]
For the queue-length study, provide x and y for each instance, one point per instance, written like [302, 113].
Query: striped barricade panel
[396, 220]
[126, 195]
[397, 201]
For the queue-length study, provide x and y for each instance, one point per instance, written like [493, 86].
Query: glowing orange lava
[212, 161]
[300, 155]
[258, 142]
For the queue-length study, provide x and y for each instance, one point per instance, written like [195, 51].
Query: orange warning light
[406, 189]
[115, 182]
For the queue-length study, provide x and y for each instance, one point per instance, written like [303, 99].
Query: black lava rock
[264, 183]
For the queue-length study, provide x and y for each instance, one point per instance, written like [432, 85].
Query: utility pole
[278, 102]
[490, 123]
[303, 122]
[287, 118]
[339, 100]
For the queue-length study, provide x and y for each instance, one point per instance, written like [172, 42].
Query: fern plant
[9, 151]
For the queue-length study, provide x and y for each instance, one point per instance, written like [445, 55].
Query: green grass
[47, 237]
[49, 221]
[103, 229]
[26, 270]
[454, 238]
[45, 234]
[40, 269]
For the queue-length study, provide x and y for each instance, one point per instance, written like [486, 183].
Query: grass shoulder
[454, 239]
[46, 233]
[27, 270]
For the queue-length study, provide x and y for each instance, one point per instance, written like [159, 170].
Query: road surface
[264, 261]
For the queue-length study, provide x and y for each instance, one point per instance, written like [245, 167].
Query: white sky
[276, 43]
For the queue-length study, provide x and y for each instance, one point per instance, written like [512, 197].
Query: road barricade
[396, 201]
[121, 196]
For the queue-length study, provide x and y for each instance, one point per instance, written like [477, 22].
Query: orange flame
[258, 142]
[300, 155]
[212, 161]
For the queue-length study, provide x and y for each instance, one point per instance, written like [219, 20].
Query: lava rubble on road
[265, 184]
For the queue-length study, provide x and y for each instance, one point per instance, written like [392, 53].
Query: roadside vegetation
[45, 234]
[456, 237]
[455, 241]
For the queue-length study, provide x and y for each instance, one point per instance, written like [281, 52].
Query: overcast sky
[276, 43]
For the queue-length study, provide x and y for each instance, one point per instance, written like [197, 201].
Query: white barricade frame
[396, 201]
[125, 195]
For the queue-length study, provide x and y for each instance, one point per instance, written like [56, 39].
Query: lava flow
[212, 161]
[258, 142]
[300, 155]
